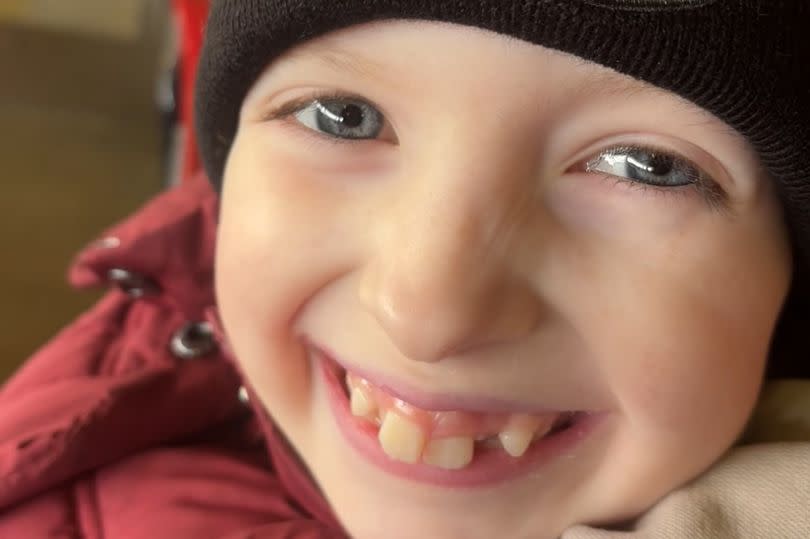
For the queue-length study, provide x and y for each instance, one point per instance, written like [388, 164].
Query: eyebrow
[611, 85]
[340, 60]
[598, 82]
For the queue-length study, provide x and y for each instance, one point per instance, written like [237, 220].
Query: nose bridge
[441, 279]
[467, 198]
[457, 224]
[462, 209]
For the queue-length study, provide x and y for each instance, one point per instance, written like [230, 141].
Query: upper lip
[434, 401]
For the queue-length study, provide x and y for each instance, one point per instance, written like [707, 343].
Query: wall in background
[112, 19]
[80, 148]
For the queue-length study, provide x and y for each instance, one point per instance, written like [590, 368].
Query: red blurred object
[190, 17]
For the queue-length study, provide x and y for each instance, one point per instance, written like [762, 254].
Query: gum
[446, 424]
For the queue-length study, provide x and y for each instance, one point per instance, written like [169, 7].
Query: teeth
[515, 442]
[449, 453]
[402, 434]
[518, 434]
[362, 405]
[400, 438]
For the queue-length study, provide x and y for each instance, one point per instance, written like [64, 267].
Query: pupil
[351, 116]
[660, 165]
[652, 163]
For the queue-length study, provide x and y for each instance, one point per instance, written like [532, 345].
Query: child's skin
[465, 251]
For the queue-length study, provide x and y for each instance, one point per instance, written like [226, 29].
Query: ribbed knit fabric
[746, 61]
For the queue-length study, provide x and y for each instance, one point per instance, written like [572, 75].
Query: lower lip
[489, 466]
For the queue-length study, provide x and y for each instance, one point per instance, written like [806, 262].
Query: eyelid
[300, 103]
[630, 148]
[678, 148]
[714, 171]
[706, 184]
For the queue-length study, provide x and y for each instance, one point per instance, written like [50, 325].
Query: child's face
[459, 253]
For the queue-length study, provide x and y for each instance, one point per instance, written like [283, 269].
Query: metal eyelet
[133, 284]
[193, 340]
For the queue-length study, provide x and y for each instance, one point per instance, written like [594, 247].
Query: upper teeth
[521, 430]
[407, 436]
[362, 404]
[449, 453]
[401, 439]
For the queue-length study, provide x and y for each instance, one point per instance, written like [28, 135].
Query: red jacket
[131, 423]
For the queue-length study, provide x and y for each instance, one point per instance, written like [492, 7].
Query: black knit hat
[746, 61]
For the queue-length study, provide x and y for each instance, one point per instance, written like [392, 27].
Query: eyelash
[285, 111]
[702, 184]
[713, 195]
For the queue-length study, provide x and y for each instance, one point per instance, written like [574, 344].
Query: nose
[443, 279]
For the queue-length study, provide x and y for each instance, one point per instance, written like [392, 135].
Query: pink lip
[487, 468]
[429, 401]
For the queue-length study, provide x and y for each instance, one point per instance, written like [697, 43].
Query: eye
[342, 118]
[647, 166]
[658, 170]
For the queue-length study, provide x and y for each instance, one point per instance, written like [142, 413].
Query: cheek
[691, 339]
[677, 303]
[697, 358]
[275, 248]
[688, 379]
[691, 355]
[265, 229]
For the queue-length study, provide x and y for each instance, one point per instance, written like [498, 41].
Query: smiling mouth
[451, 447]
[445, 439]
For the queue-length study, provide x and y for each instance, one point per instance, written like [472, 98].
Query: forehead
[393, 54]
[371, 51]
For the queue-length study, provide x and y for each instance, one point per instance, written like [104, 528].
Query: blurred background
[87, 110]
